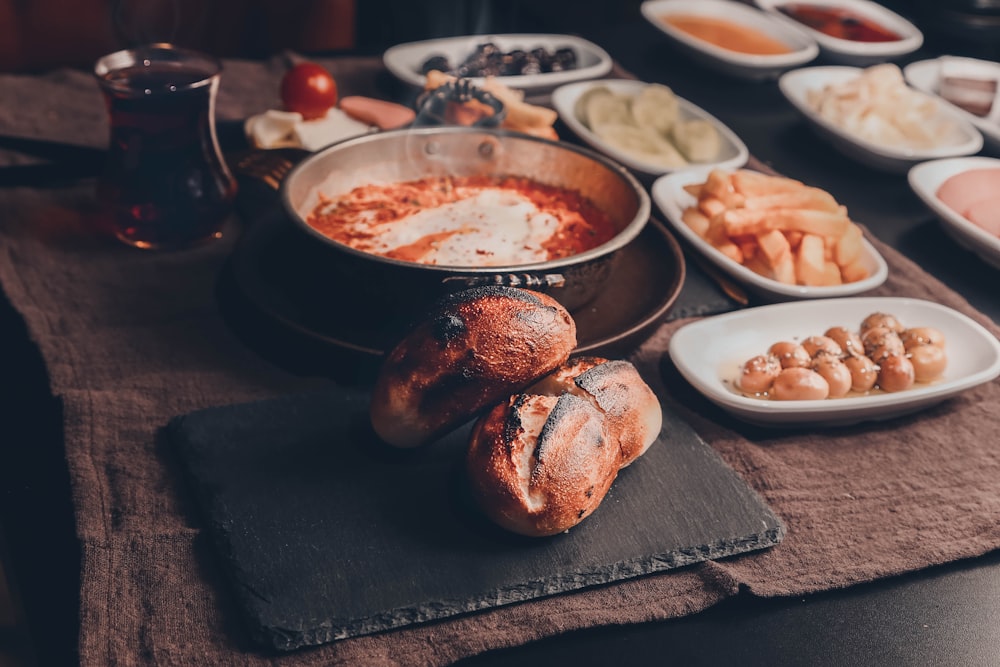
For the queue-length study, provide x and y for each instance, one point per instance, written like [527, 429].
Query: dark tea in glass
[166, 184]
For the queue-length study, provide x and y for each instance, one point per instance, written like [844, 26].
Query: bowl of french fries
[779, 237]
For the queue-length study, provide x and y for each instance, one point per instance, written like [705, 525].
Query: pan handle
[527, 280]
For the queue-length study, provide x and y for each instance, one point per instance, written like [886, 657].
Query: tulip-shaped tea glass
[166, 184]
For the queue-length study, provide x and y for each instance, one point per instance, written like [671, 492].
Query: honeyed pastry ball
[799, 384]
[895, 373]
[789, 354]
[881, 320]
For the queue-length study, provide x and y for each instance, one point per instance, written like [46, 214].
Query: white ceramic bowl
[732, 154]
[744, 65]
[796, 86]
[849, 52]
[925, 75]
[710, 352]
[405, 60]
[669, 195]
[926, 178]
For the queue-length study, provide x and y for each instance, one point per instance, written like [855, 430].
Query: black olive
[544, 59]
[488, 49]
[513, 62]
[437, 62]
[566, 57]
[531, 66]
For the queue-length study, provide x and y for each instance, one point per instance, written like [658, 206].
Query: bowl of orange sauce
[732, 37]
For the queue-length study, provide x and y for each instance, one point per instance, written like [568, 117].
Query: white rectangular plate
[405, 60]
[709, 353]
[732, 154]
[669, 194]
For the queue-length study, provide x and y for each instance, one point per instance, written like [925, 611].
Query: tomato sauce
[464, 221]
[727, 34]
[839, 22]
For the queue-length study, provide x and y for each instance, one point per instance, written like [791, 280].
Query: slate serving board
[327, 533]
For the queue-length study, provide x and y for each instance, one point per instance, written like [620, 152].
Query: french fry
[759, 266]
[806, 197]
[831, 274]
[809, 262]
[740, 221]
[711, 206]
[853, 272]
[784, 270]
[719, 186]
[696, 220]
[849, 246]
[731, 250]
[818, 223]
[755, 184]
[774, 247]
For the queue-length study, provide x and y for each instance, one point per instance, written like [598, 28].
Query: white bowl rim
[804, 47]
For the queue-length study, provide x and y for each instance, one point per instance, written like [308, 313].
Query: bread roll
[539, 465]
[476, 348]
[631, 409]
[543, 461]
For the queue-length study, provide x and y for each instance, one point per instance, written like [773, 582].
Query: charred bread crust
[543, 461]
[630, 407]
[476, 348]
[538, 465]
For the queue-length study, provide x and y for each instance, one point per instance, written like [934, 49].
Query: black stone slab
[327, 534]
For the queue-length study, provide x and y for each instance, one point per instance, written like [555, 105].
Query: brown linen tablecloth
[132, 339]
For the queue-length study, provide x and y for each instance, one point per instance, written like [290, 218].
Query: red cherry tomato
[308, 89]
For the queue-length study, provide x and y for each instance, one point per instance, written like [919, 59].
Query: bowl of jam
[850, 32]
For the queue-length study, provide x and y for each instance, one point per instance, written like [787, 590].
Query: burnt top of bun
[486, 291]
[447, 327]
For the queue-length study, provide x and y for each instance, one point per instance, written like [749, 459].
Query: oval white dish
[708, 353]
[925, 75]
[926, 178]
[850, 52]
[732, 153]
[744, 65]
[668, 193]
[404, 61]
[796, 86]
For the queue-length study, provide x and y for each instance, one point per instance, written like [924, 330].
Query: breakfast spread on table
[551, 429]
[880, 355]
